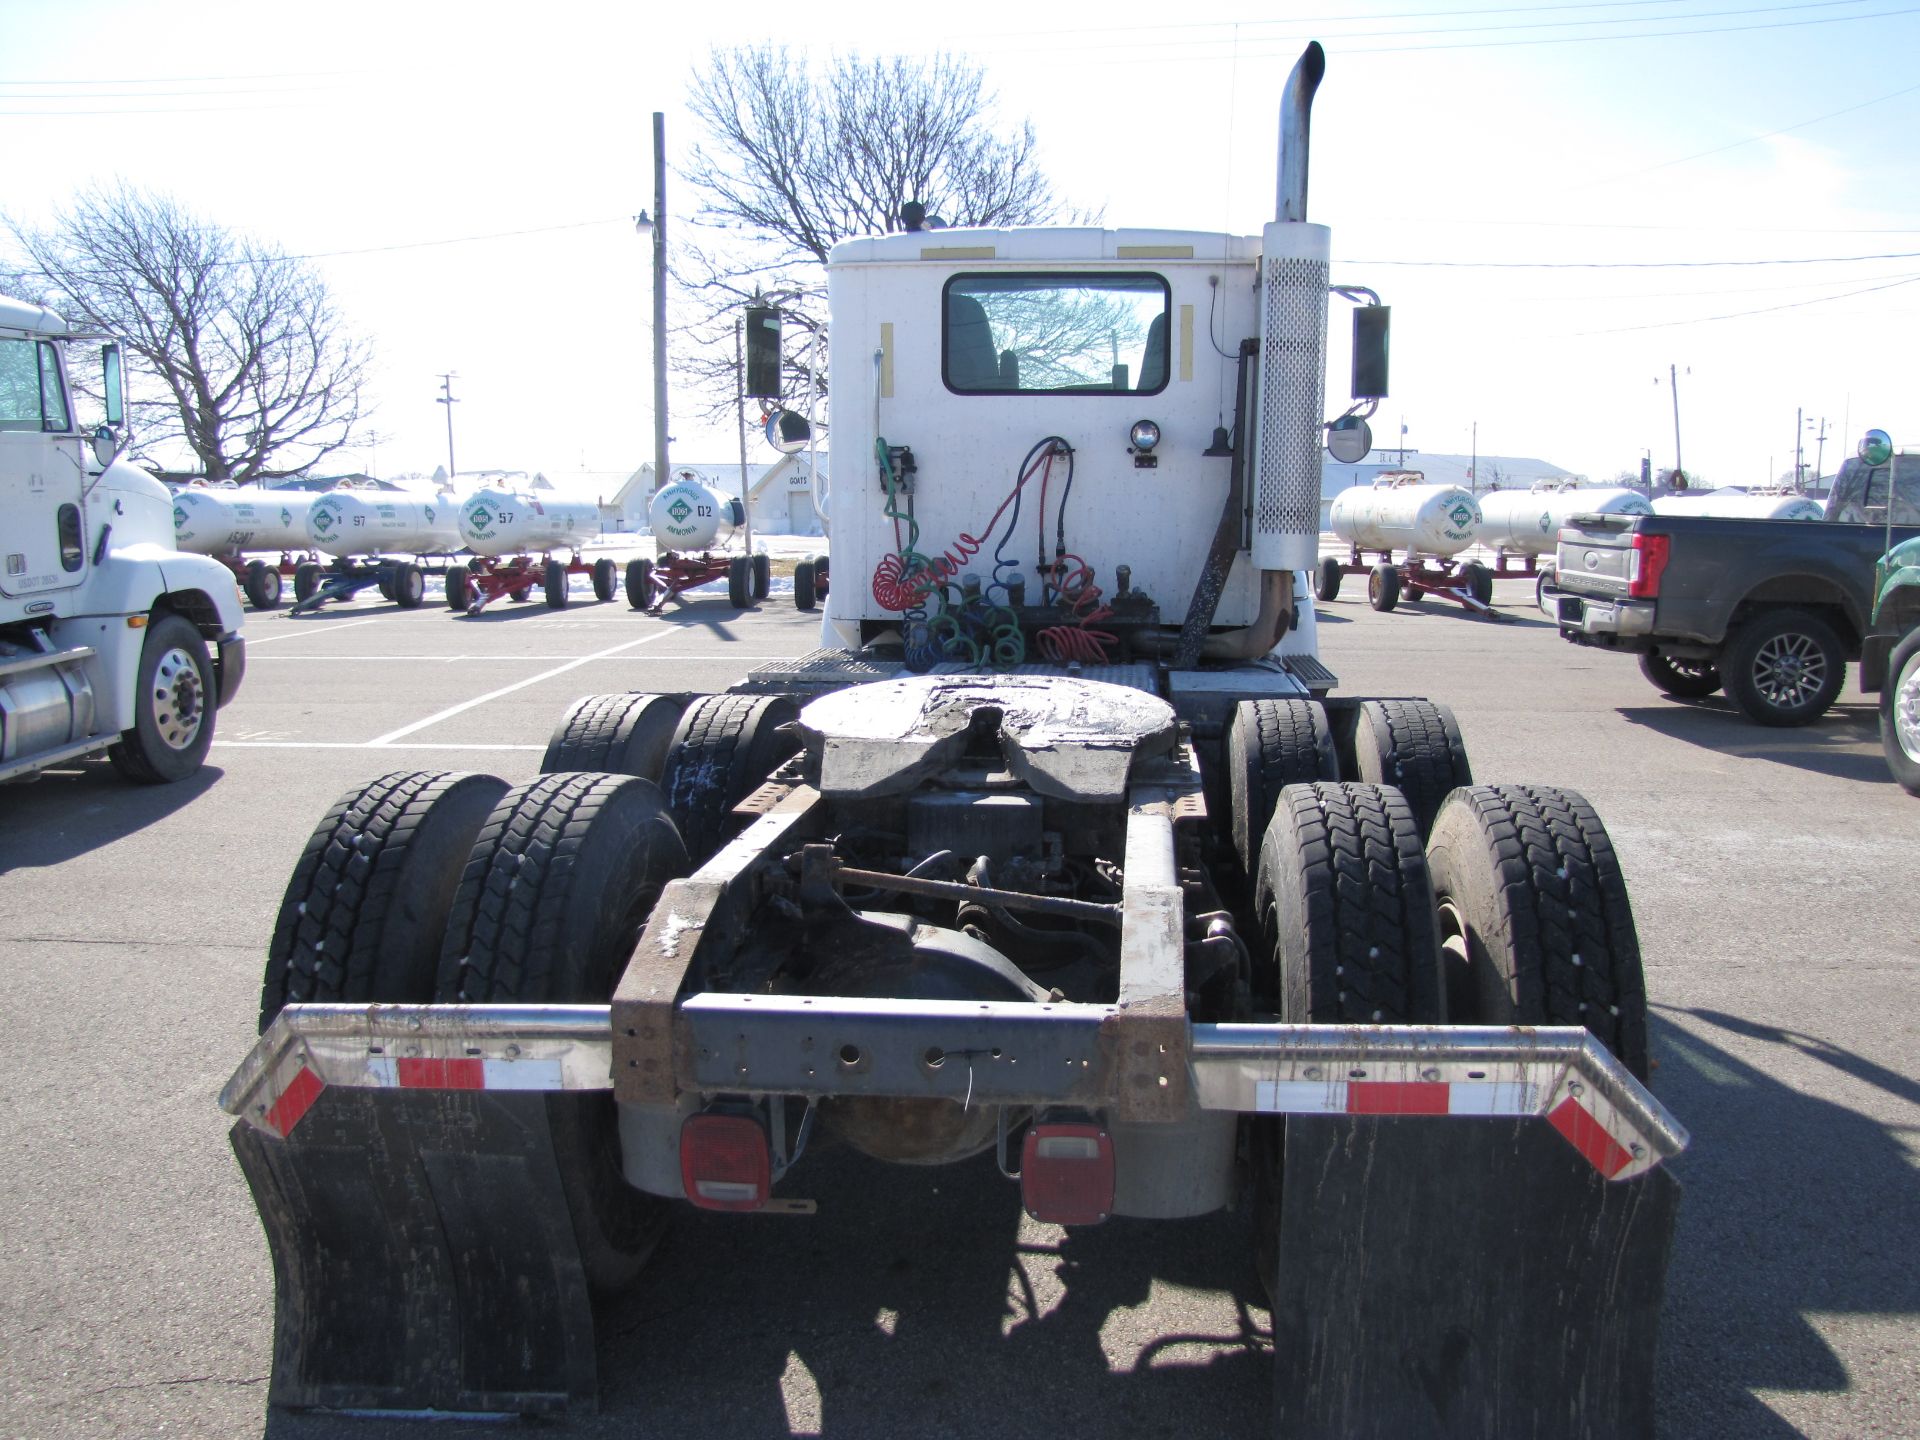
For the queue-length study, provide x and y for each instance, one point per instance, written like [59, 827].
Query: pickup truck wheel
[1414, 746]
[803, 595]
[1900, 713]
[616, 734]
[740, 581]
[1535, 925]
[262, 585]
[1328, 588]
[1783, 668]
[173, 705]
[557, 887]
[1540, 584]
[724, 748]
[459, 589]
[1383, 587]
[557, 585]
[363, 917]
[306, 581]
[606, 580]
[1272, 744]
[1686, 679]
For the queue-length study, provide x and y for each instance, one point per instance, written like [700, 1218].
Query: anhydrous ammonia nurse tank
[217, 522]
[690, 515]
[1527, 522]
[1406, 515]
[503, 522]
[381, 522]
[1741, 507]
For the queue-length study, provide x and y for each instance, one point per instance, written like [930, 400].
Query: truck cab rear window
[1053, 333]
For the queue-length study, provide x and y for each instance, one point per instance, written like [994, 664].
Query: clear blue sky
[1559, 201]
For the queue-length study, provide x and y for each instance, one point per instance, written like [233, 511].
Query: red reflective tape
[1396, 1097]
[1589, 1137]
[294, 1102]
[419, 1074]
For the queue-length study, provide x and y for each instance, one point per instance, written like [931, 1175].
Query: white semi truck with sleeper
[110, 638]
[1060, 848]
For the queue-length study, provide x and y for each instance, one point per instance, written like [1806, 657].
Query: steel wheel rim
[1789, 670]
[179, 702]
[1906, 709]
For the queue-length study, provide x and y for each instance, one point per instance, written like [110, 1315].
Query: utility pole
[1673, 379]
[1473, 460]
[1820, 451]
[1799, 465]
[447, 399]
[740, 405]
[659, 299]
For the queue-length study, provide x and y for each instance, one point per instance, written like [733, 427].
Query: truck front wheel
[1783, 668]
[173, 704]
[1900, 713]
[1683, 679]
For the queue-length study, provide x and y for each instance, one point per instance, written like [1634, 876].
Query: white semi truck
[110, 638]
[1060, 848]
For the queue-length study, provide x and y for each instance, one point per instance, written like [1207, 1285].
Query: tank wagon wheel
[1479, 581]
[1331, 573]
[365, 912]
[617, 734]
[1540, 584]
[556, 889]
[724, 748]
[804, 597]
[820, 564]
[606, 580]
[306, 580]
[459, 588]
[383, 581]
[1272, 744]
[173, 705]
[762, 576]
[520, 594]
[1783, 667]
[639, 583]
[1412, 745]
[1347, 936]
[1686, 679]
[1900, 713]
[1535, 925]
[262, 585]
[740, 581]
[408, 587]
[556, 579]
[1383, 587]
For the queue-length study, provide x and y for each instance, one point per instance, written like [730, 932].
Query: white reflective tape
[1516, 1097]
[1301, 1097]
[522, 1074]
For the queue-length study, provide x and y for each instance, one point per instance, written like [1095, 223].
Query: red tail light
[1646, 565]
[725, 1162]
[1066, 1174]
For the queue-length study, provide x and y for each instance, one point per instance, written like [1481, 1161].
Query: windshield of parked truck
[1024, 334]
[1860, 493]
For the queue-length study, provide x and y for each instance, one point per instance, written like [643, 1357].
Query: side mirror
[763, 352]
[1370, 326]
[788, 432]
[106, 445]
[1349, 439]
[1876, 447]
[113, 386]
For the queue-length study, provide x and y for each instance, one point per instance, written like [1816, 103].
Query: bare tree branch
[247, 363]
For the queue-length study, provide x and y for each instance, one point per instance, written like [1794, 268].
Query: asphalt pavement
[1772, 884]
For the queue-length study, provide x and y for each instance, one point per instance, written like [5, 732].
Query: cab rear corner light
[1646, 563]
[1066, 1173]
[726, 1162]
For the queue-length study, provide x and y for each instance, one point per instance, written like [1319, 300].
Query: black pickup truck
[1771, 610]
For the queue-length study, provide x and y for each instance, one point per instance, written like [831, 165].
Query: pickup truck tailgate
[1595, 557]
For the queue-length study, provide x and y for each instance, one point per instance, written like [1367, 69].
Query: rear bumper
[1602, 621]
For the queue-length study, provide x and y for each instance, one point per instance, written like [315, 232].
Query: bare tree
[246, 361]
[795, 162]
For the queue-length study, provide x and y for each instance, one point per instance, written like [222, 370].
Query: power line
[1742, 314]
[1632, 264]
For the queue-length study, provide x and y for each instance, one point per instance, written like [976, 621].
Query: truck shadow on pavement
[73, 809]
[1798, 1209]
[1845, 742]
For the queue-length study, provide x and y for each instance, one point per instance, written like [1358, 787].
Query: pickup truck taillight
[1646, 565]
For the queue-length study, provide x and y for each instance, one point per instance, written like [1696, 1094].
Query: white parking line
[313, 630]
[465, 705]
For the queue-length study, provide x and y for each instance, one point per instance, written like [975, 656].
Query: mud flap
[423, 1258]
[1472, 1280]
